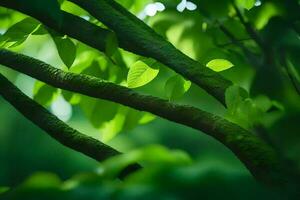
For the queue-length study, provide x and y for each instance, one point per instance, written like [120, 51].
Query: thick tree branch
[147, 42]
[71, 25]
[258, 157]
[144, 41]
[52, 125]
[57, 129]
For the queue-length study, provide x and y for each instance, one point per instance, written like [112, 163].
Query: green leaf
[98, 111]
[176, 86]
[153, 155]
[219, 65]
[44, 94]
[140, 74]
[66, 50]
[19, 32]
[3, 189]
[71, 97]
[263, 102]
[146, 118]
[248, 4]
[234, 95]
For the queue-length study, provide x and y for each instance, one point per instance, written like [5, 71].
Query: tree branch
[144, 42]
[52, 125]
[148, 43]
[252, 33]
[71, 25]
[257, 156]
[57, 129]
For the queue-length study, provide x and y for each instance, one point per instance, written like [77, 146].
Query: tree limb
[144, 41]
[57, 129]
[148, 43]
[257, 156]
[71, 25]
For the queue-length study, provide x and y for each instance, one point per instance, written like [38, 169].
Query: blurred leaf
[66, 49]
[3, 189]
[176, 86]
[146, 118]
[154, 155]
[248, 4]
[19, 32]
[44, 94]
[98, 111]
[140, 74]
[234, 95]
[71, 97]
[42, 180]
[263, 102]
[219, 65]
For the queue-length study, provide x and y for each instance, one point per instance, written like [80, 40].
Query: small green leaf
[146, 118]
[234, 95]
[140, 74]
[263, 102]
[219, 65]
[248, 4]
[66, 50]
[176, 86]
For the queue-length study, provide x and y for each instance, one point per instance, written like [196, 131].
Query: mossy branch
[133, 35]
[71, 25]
[257, 156]
[57, 129]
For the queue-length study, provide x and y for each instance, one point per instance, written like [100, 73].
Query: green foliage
[98, 111]
[141, 73]
[245, 111]
[248, 4]
[166, 174]
[219, 65]
[66, 49]
[44, 94]
[19, 32]
[154, 155]
[176, 86]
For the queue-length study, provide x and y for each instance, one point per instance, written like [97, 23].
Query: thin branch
[291, 71]
[258, 157]
[252, 58]
[251, 31]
